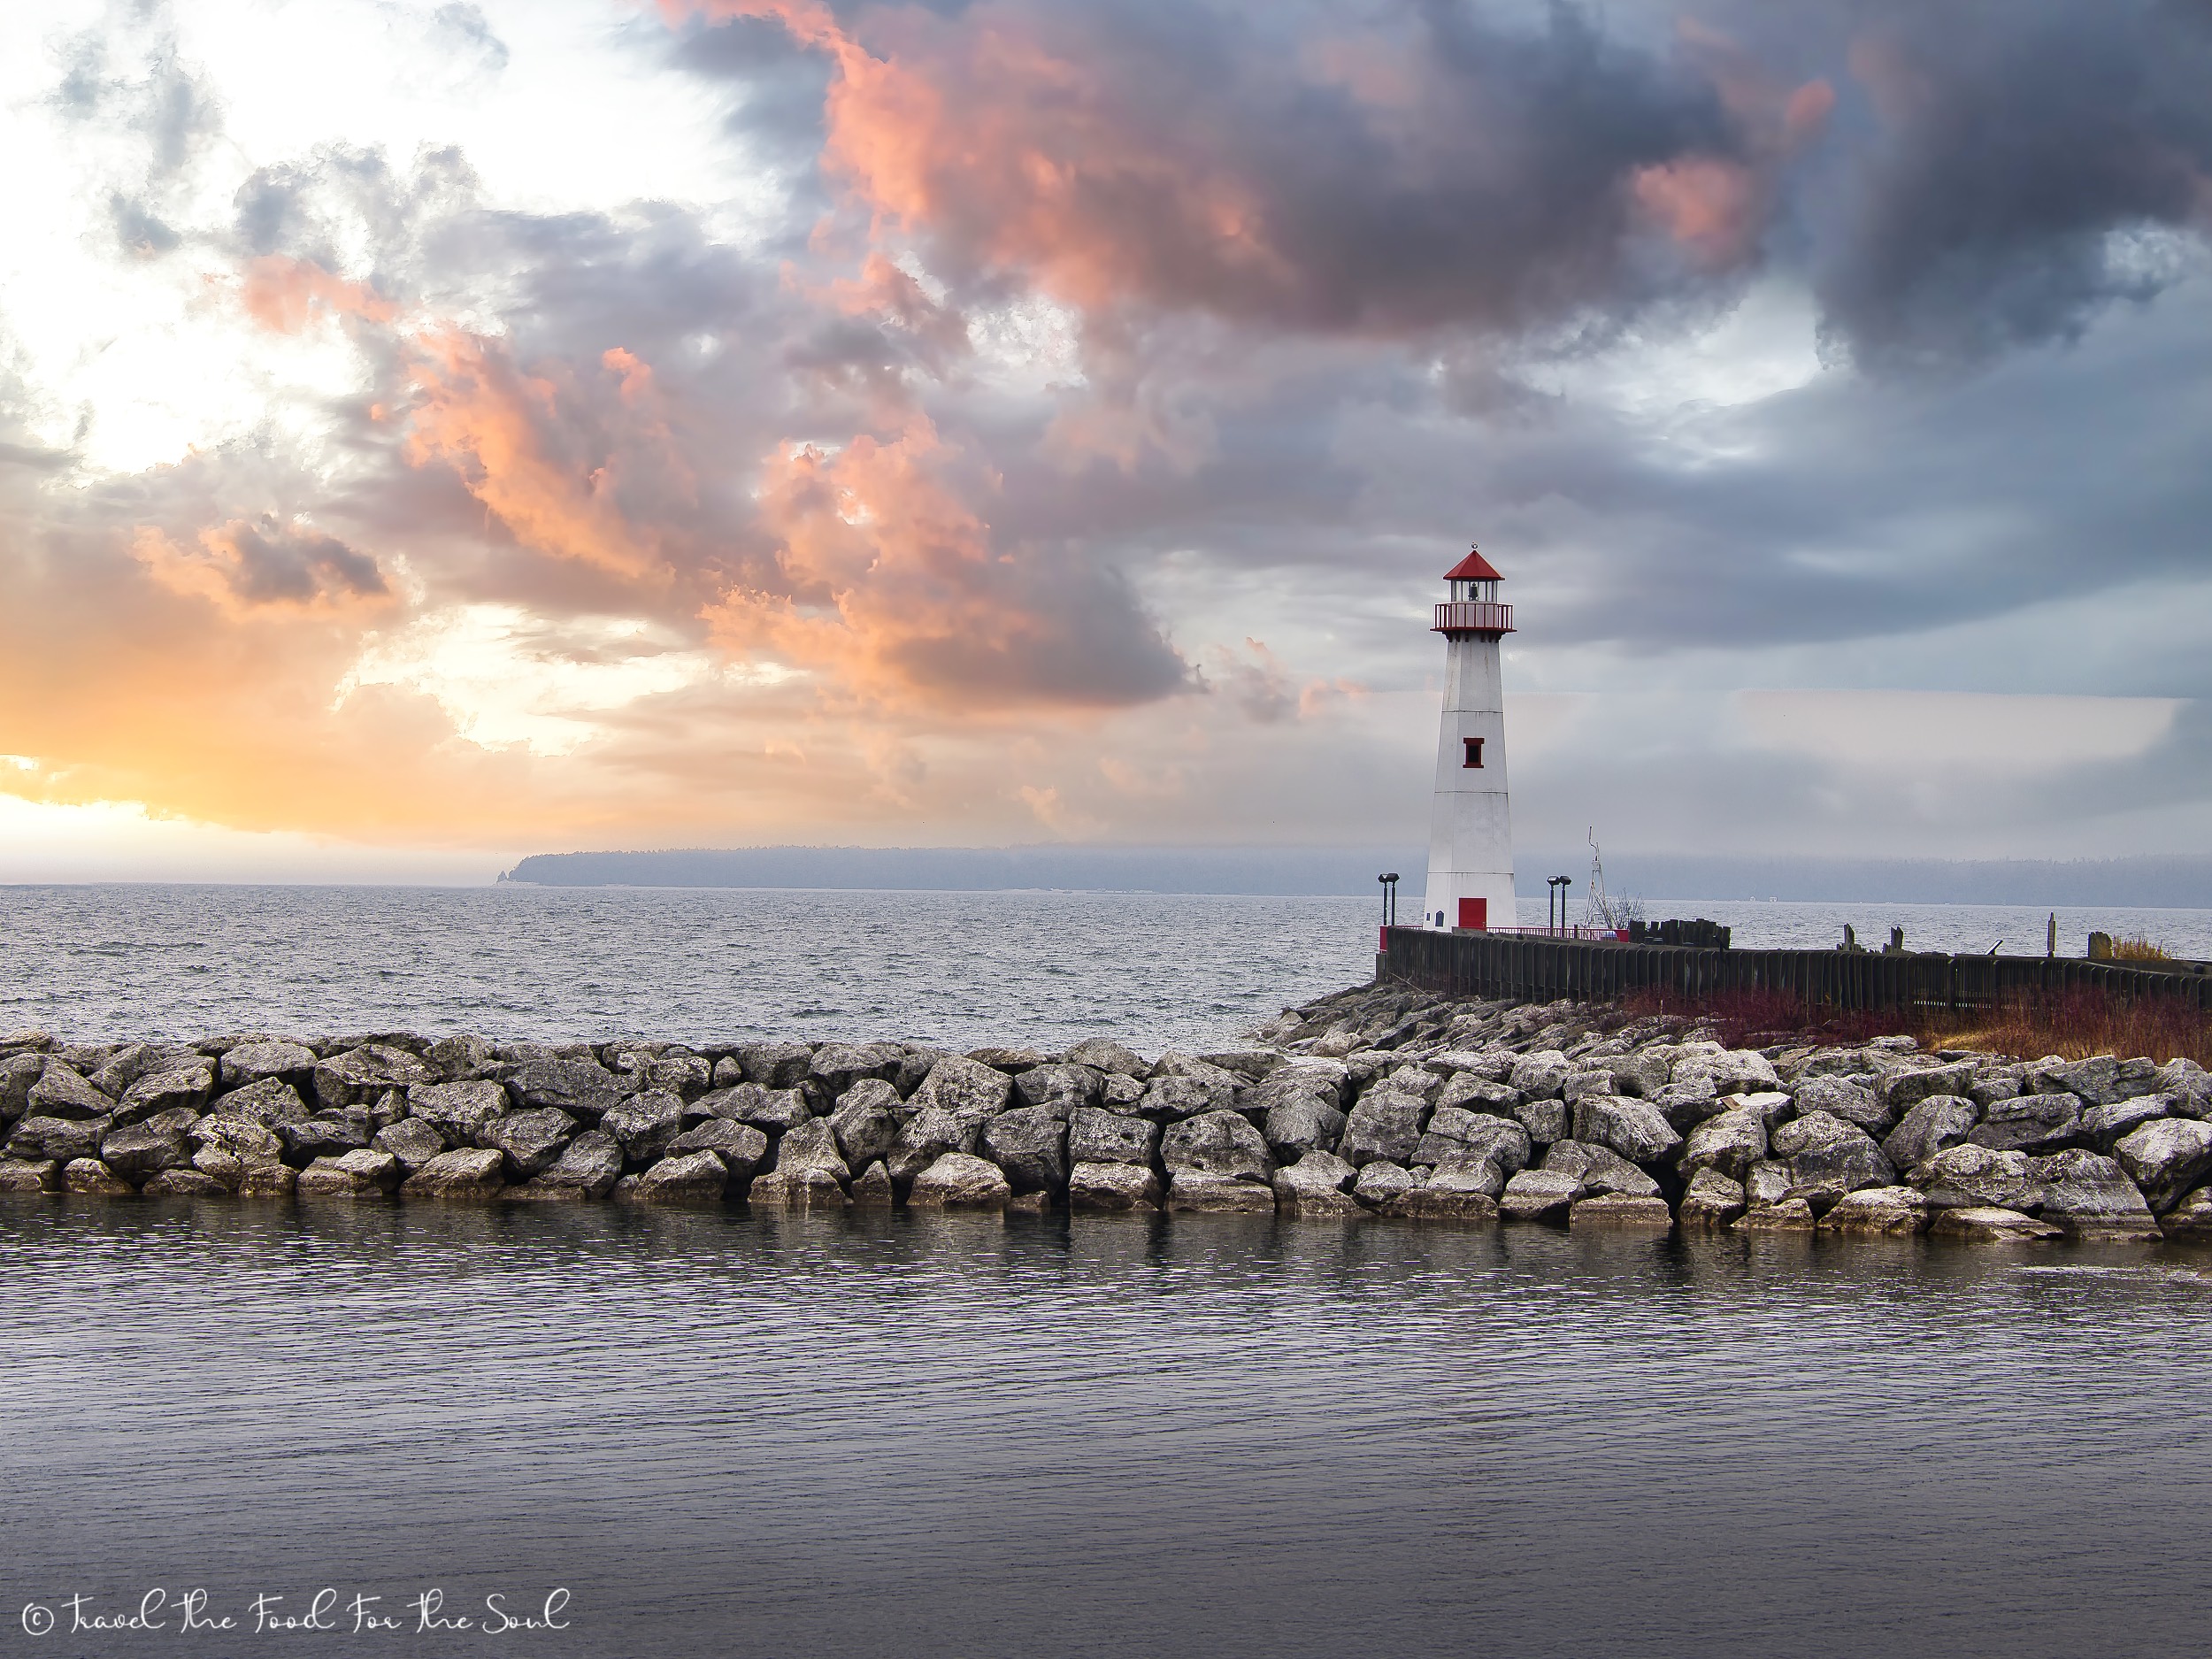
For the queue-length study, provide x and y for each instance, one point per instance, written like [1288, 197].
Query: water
[961, 969]
[728, 1435]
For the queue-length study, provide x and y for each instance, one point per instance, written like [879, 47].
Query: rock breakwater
[1381, 1102]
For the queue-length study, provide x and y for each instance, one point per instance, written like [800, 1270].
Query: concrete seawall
[1384, 1103]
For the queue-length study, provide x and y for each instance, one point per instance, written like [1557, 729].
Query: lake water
[961, 969]
[731, 1435]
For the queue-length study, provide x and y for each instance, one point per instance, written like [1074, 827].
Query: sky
[435, 432]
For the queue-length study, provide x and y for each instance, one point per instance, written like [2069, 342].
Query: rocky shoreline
[1381, 1102]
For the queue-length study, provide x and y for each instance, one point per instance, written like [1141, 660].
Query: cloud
[244, 568]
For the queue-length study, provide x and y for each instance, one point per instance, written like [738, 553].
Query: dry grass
[2076, 1026]
[2137, 949]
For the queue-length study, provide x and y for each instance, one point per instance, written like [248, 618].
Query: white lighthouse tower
[1471, 833]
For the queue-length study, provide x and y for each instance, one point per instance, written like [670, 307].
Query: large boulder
[1471, 1092]
[1731, 1142]
[837, 1066]
[29, 1175]
[18, 1074]
[1221, 1084]
[1600, 1169]
[268, 1102]
[867, 1122]
[1829, 1157]
[776, 1065]
[967, 1089]
[584, 1089]
[459, 1112]
[189, 1086]
[1633, 1128]
[363, 1074]
[324, 1135]
[182, 1183]
[927, 1136]
[645, 1124]
[690, 1178]
[1319, 1184]
[1031, 1144]
[1850, 1098]
[1298, 1124]
[1640, 1073]
[1892, 1210]
[94, 1178]
[469, 1173]
[1196, 1192]
[2165, 1159]
[1112, 1186]
[1454, 1132]
[2029, 1123]
[62, 1140]
[1970, 1177]
[362, 1173]
[411, 1141]
[61, 1092]
[1222, 1143]
[241, 1137]
[1385, 1124]
[959, 1181]
[1929, 1125]
[1619, 1210]
[1790, 1215]
[1169, 1099]
[1991, 1225]
[1380, 1181]
[2095, 1081]
[2104, 1128]
[1095, 1136]
[137, 1152]
[1461, 1193]
[1546, 1120]
[2091, 1197]
[589, 1167]
[1060, 1086]
[1541, 1075]
[1710, 1202]
[1539, 1195]
[812, 1146]
[530, 1141]
[1902, 1089]
[261, 1061]
[460, 1059]
[1104, 1054]
[2188, 1222]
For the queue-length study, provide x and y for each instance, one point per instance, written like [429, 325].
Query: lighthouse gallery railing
[1473, 616]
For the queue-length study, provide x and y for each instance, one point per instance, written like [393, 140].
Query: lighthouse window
[1474, 750]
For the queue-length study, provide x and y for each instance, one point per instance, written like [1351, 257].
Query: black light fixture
[1556, 897]
[1390, 898]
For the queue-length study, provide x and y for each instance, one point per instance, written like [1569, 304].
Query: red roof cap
[1473, 568]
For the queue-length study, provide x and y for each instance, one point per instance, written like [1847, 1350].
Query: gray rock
[1172, 1099]
[1990, 1086]
[18, 1074]
[1633, 1128]
[411, 1141]
[137, 1152]
[2091, 1197]
[959, 1181]
[1062, 1088]
[1319, 1178]
[2095, 1081]
[1539, 1195]
[459, 1112]
[837, 1066]
[244, 1138]
[258, 1178]
[927, 1136]
[1198, 1192]
[182, 1183]
[1710, 1202]
[2030, 1123]
[1378, 1179]
[691, 1178]
[1829, 1157]
[1989, 1225]
[1641, 1074]
[589, 1167]
[363, 1173]
[1102, 1054]
[61, 1093]
[1890, 1210]
[1790, 1215]
[646, 1124]
[469, 1173]
[1901, 1090]
[1302, 1122]
[872, 1188]
[1932, 1125]
[2103, 1127]
[1221, 1084]
[95, 1179]
[1453, 1198]
[189, 1086]
[460, 1059]
[1095, 1136]
[62, 1140]
[1463, 1173]
[867, 1122]
[1546, 1120]
[776, 1065]
[1600, 1169]
[584, 1089]
[531, 1140]
[136, 1060]
[775, 1111]
[362, 1075]
[1005, 1059]
[1729, 1143]
[1767, 1182]
[2166, 1159]
[1471, 1092]
[968, 1089]
[1385, 1124]
[1619, 1209]
[326, 1135]
[268, 1102]
[1454, 1132]
[30, 1175]
[1539, 1076]
[1584, 1082]
[2188, 1222]
[1849, 1098]
[811, 1146]
[1112, 1186]
[260, 1062]
[1218, 1143]
[1030, 1144]
[1686, 1105]
[1970, 1177]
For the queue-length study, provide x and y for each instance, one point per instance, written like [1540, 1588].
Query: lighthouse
[1470, 830]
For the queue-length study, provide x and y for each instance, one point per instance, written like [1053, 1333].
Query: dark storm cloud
[273, 562]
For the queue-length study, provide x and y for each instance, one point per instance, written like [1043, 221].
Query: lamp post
[1390, 898]
[1557, 897]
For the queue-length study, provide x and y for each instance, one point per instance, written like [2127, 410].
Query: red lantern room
[1473, 609]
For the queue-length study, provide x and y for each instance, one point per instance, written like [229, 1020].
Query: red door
[1474, 912]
